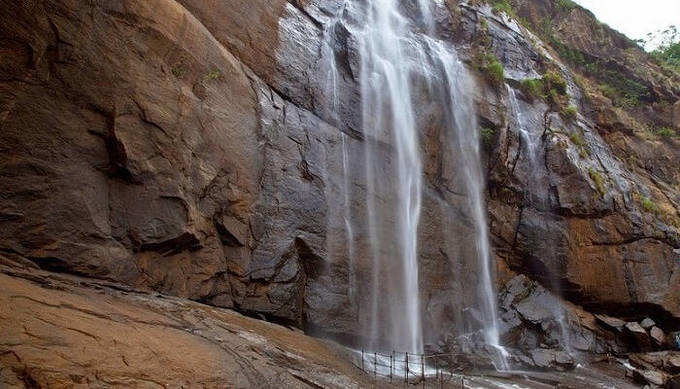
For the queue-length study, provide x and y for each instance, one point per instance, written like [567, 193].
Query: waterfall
[387, 105]
[466, 142]
[396, 52]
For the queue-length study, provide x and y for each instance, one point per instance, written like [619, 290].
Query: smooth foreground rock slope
[61, 331]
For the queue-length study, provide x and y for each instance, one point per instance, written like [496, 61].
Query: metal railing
[433, 370]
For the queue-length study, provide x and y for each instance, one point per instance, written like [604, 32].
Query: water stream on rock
[328, 56]
[538, 197]
[529, 142]
[466, 143]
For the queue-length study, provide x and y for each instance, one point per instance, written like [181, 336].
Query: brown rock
[653, 377]
[144, 161]
[673, 364]
[233, 232]
[638, 334]
[107, 334]
[676, 115]
[610, 322]
[150, 147]
[657, 336]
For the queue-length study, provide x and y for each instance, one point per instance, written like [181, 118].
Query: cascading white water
[387, 106]
[349, 229]
[529, 141]
[394, 51]
[328, 58]
[466, 143]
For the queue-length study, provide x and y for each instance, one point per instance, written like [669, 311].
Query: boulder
[610, 322]
[673, 364]
[637, 334]
[647, 323]
[564, 360]
[658, 336]
[543, 358]
[653, 377]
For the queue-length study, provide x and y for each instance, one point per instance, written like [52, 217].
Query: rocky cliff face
[610, 226]
[187, 147]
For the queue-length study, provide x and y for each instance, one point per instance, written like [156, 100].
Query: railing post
[441, 378]
[422, 368]
[406, 364]
[362, 361]
[391, 363]
[375, 365]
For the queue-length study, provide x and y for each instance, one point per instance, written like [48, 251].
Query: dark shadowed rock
[530, 317]
[673, 364]
[673, 383]
[638, 334]
[674, 340]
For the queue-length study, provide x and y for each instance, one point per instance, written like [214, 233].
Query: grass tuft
[212, 75]
[488, 136]
[649, 205]
[598, 180]
[492, 69]
[666, 132]
[179, 71]
[532, 88]
[570, 113]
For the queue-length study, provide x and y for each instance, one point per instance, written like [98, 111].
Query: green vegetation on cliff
[492, 69]
[670, 55]
[668, 52]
